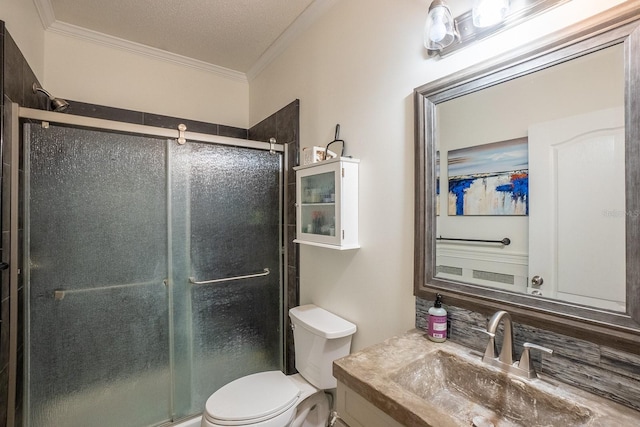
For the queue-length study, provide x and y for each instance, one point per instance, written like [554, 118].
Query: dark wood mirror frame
[620, 24]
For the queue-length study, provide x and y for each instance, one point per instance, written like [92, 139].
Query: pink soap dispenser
[437, 321]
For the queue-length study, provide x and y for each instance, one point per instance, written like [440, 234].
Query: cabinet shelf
[324, 245]
[328, 224]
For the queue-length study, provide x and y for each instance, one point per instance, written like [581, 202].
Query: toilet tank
[319, 338]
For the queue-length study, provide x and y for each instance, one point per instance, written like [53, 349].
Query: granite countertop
[373, 373]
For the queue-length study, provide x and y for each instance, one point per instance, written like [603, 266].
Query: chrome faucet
[506, 352]
[524, 368]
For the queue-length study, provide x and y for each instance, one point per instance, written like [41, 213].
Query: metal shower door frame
[13, 114]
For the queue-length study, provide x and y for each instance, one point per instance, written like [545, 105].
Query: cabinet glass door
[327, 204]
[318, 209]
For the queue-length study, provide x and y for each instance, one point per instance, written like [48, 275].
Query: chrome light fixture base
[519, 12]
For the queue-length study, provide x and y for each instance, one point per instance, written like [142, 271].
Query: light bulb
[489, 12]
[438, 30]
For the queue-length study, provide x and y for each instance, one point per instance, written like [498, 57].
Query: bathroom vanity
[411, 381]
[359, 412]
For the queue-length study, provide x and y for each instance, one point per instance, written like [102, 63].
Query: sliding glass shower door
[225, 216]
[120, 233]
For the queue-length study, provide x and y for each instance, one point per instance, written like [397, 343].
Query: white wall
[78, 69]
[358, 66]
[23, 23]
[87, 71]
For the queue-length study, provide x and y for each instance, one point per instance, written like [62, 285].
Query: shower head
[57, 104]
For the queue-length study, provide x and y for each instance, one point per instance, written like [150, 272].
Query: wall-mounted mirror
[527, 178]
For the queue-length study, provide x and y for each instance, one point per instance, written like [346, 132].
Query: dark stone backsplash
[600, 370]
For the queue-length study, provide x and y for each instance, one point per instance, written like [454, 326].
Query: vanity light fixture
[440, 28]
[444, 34]
[487, 13]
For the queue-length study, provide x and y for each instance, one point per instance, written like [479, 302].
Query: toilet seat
[252, 399]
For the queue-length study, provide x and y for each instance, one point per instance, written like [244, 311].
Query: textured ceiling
[228, 33]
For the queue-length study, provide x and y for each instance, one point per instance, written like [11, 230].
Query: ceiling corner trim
[45, 11]
[75, 31]
[306, 19]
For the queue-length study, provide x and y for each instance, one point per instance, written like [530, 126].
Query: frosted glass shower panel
[117, 227]
[230, 222]
[96, 224]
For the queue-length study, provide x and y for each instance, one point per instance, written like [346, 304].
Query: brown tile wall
[17, 80]
[4, 283]
[595, 368]
[284, 125]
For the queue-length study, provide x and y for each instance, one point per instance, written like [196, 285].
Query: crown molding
[141, 49]
[301, 24]
[45, 10]
[49, 22]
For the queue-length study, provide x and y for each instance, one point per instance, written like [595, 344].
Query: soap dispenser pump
[437, 321]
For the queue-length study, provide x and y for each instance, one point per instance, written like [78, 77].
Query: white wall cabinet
[327, 204]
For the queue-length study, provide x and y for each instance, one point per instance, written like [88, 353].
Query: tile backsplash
[595, 368]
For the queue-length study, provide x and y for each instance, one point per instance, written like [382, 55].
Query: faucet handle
[526, 364]
[491, 334]
[491, 351]
[529, 345]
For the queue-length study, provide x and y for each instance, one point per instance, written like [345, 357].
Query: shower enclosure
[152, 269]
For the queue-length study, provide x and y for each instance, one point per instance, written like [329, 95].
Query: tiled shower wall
[16, 79]
[284, 125]
[598, 369]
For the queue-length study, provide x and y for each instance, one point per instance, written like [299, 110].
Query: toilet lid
[253, 398]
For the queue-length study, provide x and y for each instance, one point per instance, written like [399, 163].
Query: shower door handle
[193, 281]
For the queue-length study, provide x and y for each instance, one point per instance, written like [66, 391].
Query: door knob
[536, 281]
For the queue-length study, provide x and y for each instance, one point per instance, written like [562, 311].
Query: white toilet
[272, 399]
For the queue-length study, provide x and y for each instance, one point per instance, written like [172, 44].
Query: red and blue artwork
[489, 179]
